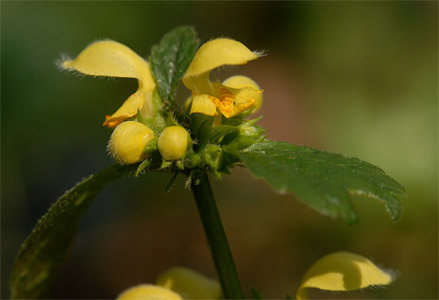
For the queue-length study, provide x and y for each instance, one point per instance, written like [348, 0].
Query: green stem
[216, 237]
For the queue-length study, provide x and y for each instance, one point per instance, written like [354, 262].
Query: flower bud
[128, 141]
[173, 143]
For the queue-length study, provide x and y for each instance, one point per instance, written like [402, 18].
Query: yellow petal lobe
[240, 82]
[148, 292]
[232, 101]
[204, 104]
[128, 141]
[190, 284]
[111, 122]
[128, 109]
[342, 271]
[216, 53]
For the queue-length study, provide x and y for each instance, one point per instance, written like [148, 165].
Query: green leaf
[321, 179]
[45, 248]
[171, 58]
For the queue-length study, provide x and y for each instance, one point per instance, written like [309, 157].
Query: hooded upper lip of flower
[207, 96]
[342, 271]
[113, 59]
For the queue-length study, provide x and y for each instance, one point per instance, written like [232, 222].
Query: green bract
[214, 137]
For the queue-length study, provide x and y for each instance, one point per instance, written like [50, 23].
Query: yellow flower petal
[110, 58]
[233, 101]
[148, 292]
[128, 109]
[240, 82]
[113, 59]
[204, 104]
[190, 284]
[342, 271]
[128, 141]
[111, 122]
[216, 53]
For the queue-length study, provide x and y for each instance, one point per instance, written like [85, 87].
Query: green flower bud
[174, 142]
[128, 141]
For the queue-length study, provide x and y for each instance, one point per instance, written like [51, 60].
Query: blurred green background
[358, 78]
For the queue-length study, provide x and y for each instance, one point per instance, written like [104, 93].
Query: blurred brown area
[357, 78]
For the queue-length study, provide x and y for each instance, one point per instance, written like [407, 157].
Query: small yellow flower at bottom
[173, 143]
[175, 284]
[342, 271]
[189, 284]
[128, 141]
[148, 292]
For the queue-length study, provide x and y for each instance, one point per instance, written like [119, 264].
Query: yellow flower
[189, 284]
[208, 96]
[148, 292]
[342, 271]
[175, 284]
[110, 58]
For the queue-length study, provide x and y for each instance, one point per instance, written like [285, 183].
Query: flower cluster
[142, 125]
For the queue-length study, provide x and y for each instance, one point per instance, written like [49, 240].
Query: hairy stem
[216, 237]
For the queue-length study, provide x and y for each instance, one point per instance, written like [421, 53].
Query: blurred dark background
[358, 78]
